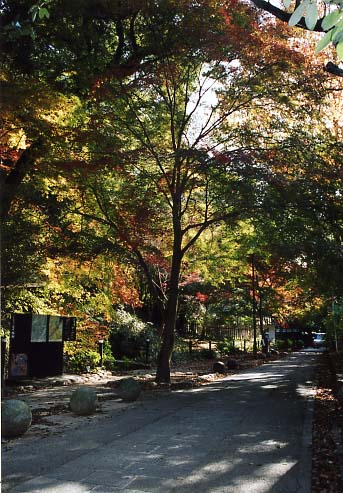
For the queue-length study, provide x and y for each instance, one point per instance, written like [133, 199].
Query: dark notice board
[36, 344]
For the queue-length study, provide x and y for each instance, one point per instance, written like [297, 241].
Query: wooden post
[254, 304]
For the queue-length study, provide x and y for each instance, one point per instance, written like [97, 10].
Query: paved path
[246, 433]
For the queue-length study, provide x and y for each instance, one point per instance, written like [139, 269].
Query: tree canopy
[150, 150]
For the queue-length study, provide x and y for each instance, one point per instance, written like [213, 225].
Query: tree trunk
[164, 356]
[11, 182]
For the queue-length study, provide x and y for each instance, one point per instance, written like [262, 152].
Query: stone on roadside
[83, 401]
[129, 389]
[219, 367]
[232, 364]
[16, 418]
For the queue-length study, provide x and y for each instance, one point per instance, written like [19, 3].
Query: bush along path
[327, 458]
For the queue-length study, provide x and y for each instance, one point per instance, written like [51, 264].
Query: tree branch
[285, 16]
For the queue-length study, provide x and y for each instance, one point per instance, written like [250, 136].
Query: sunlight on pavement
[256, 376]
[267, 476]
[203, 475]
[263, 446]
[305, 391]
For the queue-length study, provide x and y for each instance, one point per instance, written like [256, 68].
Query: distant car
[319, 340]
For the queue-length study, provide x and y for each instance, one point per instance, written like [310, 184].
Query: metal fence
[236, 333]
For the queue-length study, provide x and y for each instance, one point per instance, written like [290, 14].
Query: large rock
[219, 367]
[232, 364]
[129, 389]
[16, 418]
[83, 401]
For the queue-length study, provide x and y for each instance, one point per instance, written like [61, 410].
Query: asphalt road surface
[247, 433]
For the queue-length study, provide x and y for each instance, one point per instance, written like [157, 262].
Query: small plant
[124, 364]
[226, 346]
[299, 344]
[283, 344]
[180, 356]
[208, 354]
[108, 358]
[280, 344]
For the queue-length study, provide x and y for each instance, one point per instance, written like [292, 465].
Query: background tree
[168, 129]
[163, 120]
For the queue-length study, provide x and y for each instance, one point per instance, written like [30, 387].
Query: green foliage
[226, 346]
[180, 356]
[299, 344]
[108, 358]
[40, 10]
[124, 364]
[23, 257]
[128, 336]
[192, 312]
[283, 345]
[181, 351]
[208, 353]
[332, 21]
[81, 360]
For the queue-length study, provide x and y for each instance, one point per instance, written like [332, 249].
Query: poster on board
[18, 365]
[55, 328]
[39, 328]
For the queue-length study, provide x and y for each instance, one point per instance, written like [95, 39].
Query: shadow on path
[250, 432]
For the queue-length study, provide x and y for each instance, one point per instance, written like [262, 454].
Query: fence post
[101, 351]
[3, 359]
[147, 350]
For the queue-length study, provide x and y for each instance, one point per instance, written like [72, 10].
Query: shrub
[299, 344]
[208, 354]
[82, 360]
[226, 346]
[180, 356]
[128, 336]
[108, 358]
[280, 344]
[283, 344]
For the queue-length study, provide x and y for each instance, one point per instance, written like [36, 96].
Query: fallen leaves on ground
[326, 476]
